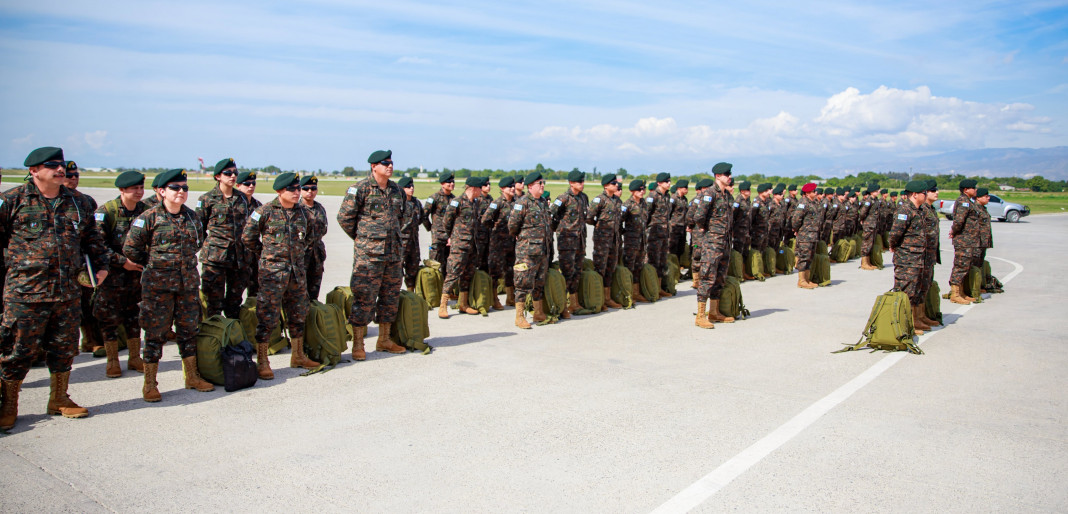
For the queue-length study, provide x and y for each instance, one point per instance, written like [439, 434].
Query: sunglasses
[248, 183]
[73, 175]
[53, 164]
[293, 187]
[386, 163]
[228, 173]
[310, 188]
[176, 187]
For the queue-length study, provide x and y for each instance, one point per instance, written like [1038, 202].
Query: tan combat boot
[636, 294]
[713, 312]
[192, 376]
[385, 344]
[443, 308]
[113, 368]
[608, 301]
[150, 391]
[297, 358]
[702, 317]
[520, 315]
[803, 281]
[917, 318]
[917, 327]
[134, 362]
[955, 295]
[463, 305]
[865, 263]
[496, 300]
[539, 311]
[509, 296]
[9, 403]
[59, 402]
[572, 299]
[358, 353]
[263, 364]
[660, 289]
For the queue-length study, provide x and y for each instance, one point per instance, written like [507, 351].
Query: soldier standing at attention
[371, 215]
[715, 215]
[806, 224]
[223, 212]
[605, 214]
[697, 234]
[965, 233]
[165, 240]
[633, 231]
[986, 236]
[46, 227]
[279, 234]
[246, 183]
[568, 213]
[315, 257]
[841, 210]
[869, 221]
[529, 223]
[501, 257]
[657, 213]
[116, 301]
[413, 216]
[760, 215]
[91, 340]
[677, 224]
[461, 222]
[434, 220]
[791, 203]
[908, 241]
[933, 246]
[828, 206]
[777, 209]
[742, 225]
[519, 186]
[482, 236]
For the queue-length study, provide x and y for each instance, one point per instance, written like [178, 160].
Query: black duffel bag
[239, 366]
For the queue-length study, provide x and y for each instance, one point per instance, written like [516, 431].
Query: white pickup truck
[998, 208]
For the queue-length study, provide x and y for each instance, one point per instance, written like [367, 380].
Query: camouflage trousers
[656, 251]
[314, 259]
[439, 251]
[805, 252]
[530, 271]
[713, 266]
[482, 253]
[911, 281]
[502, 259]
[825, 233]
[634, 254]
[162, 309]
[869, 241]
[224, 287]
[253, 286]
[775, 238]
[461, 268]
[29, 328]
[375, 291]
[963, 260]
[571, 257]
[116, 303]
[281, 287]
[928, 271]
[677, 240]
[605, 255]
[410, 261]
[90, 325]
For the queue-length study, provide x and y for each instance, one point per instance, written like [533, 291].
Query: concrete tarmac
[616, 412]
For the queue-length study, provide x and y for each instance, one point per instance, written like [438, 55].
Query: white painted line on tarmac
[712, 483]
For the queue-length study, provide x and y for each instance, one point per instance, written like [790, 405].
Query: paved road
[617, 412]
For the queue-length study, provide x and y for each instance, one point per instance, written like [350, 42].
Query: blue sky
[667, 87]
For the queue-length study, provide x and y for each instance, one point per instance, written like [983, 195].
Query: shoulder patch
[672, 200]
[139, 223]
[351, 190]
[962, 203]
[518, 207]
[99, 216]
[867, 203]
[735, 205]
[557, 202]
[1, 202]
[649, 200]
[430, 201]
[847, 207]
[624, 208]
[454, 203]
[597, 199]
[756, 204]
[800, 206]
[493, 205]
[708, 198]
[255, 216]
[199, 204]
[903, 217]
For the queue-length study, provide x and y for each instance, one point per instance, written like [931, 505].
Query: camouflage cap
[405, 182]
[285, 180]
[224, 164]
[43, 155]
[722, 168]
[175, 175]
[378, 156]
[130, 179]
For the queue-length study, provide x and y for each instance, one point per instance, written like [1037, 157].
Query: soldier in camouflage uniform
[568, 214]
[371, 214]
[116, 301]
[223, 212]
[741, 227]
[315, 256]
[714, 217]
[165, 240]
[986, 236]
[280, 234]
[806, 224]
[434, 219]
[934, 244]
[482, 235]
[777, 210]
[461, 220]
[677, 224]
[529, 223]
[791, 204]
[908, 241]
[157, 194]
[46, 228]
[829, 206]
[633, 231]
[91, 340]
[501, 257]
[413, 216]
[697, 234]
[869, 215]
[840, 205]
[246, 183]
[760, 221]
[657, 212]
[966, 233]
[605, 214]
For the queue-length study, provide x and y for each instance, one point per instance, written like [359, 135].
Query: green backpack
[428, 283]
[622, 286]
[326, 332]
[736, 266]
[990, 283]
[215, 333]
[755, 263]
[820, 269]
[412, 327]
[686, 259]
[587, 264]
[480, 293]
[730, 299]
[973, 284]
[889, 327]
[671, 278]
[649, 283]
[876, 256]
[821, 247]
[277, 342]
[932, 303]
[842, 252]
[784, 260]
[590, 293]
[769, 261]
[555, 296]
[342, 297]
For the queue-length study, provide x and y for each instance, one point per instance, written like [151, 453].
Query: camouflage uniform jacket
[777, 216]
[569, 213]
[45, 240]
[316, 245]
[496, 218]
[679, 209]
[869, 213]
[529, 223]
[934, 243]
[151, 201]
[633, 220]
[113, 222]
[413, 217]
[741, 224]
[280, 236]
[967, 223]
[166, 245]
[715, 216]
[841, 217]
[760, 216]
[807, 221]
[606, 215]
[461, 222]
[696, 233]
[908, 236]
[224, 219]
[434, 214]
[657, 213]
[482, 232]
[371, 216]
[986, 237]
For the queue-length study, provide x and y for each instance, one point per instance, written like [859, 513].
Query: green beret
[783, 184]
[379, 156]
[851, 195]
[155, 181]
[968, 183]
[871, 189]
[663, 177]
[43, 155]
[883, 191]
[224, 164]
[405, 182]
[506, 182]
[840, 191]
[916, 186]
[309, 179]
[608, 179]
[637, 184]
[285, 180]
[533, 177]
[848, 189]
[71, 165]
[893, 194]
[792, 187]
[763, 187]
[982, 191]
[722, 168]
[546, 195]
[672, 189]
[683, 183]
[246, 175]
[745, 186]
[130, 179]
[932, 184]
[705, 183]
[519, 179]
[473, 182]
[576, 176]
[175, 175]
[446, 177]
[651, 186]
[778, 189]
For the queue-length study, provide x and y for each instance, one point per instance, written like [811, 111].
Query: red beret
[808, 188]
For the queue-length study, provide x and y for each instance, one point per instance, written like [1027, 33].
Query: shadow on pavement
[764, 312]
[439, 342]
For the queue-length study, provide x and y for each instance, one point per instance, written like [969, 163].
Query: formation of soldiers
[150, 260]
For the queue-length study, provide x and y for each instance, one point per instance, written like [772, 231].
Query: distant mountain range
[1051, 163]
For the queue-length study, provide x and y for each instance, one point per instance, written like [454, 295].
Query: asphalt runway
[623, 411]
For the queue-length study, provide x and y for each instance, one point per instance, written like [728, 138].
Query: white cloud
[19, 141]
[95, 139]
